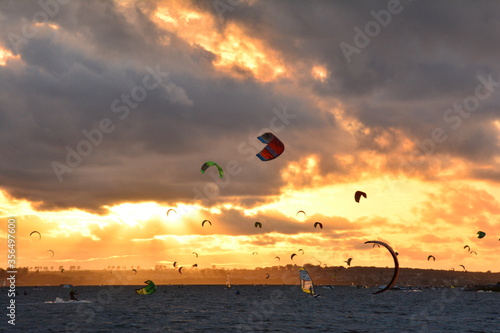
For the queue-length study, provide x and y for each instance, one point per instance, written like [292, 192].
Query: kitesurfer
[72, 294]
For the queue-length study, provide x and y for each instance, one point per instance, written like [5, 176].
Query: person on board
[72, 294]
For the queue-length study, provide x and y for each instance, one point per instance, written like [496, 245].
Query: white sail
[228, 280]
[306, 282]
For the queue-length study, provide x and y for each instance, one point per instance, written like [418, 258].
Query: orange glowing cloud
[235, 51]
[5, 55]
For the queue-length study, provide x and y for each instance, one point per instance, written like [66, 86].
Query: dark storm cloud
[72, 79]
[76, 83]
[427, 57]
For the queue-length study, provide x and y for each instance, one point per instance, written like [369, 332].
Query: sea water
[254, 309]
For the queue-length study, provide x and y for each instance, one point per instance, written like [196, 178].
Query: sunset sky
[108, 109]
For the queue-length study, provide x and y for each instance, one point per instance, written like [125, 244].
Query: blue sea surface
[254, 309]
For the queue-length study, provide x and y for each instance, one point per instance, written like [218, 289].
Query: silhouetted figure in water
[25, 293]
[72, 294]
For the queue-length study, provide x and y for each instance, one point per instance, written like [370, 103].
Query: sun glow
[5, 55]
[319, 73]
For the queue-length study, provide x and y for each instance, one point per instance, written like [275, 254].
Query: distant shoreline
[278, 275]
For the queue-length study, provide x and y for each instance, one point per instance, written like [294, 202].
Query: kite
[147, 290]
[396, 266]
[204, 221]
[431, 256]
[273, 149]
[358, 195]
[39, 235]
[293, 255]
[348, 262]
[258, 224]
[208, 164]
[318, 223]
[481, 234]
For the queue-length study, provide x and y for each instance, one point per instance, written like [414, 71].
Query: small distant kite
[462, 267]
[134, 270]
[52, 253]
[377, 245]
[175, 263]
[277, 258]
[472, 252]
[467, 247]
[36, 232]
[358, 195]
[255, 253]
[318, 224]
[273, 149]
[258, 225]
[62, 270]
[205, 221]
[180, 270]
[195, 265]
[268, 276]
[301, 211]
[293, 255]
[348, 262]
[301, 250]
[196, 254]
[208, 164]
[171, 210]
[431, 256]
[481, 234]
